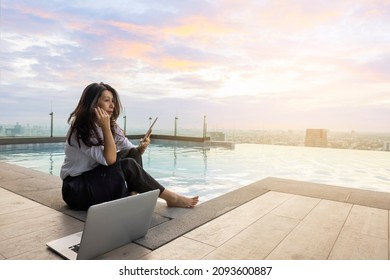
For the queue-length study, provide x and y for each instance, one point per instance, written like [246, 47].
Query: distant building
[316, 138]
[217, 136]
[14, 131]
[386, 146]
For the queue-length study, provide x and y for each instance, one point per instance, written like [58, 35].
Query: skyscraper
[316, 138]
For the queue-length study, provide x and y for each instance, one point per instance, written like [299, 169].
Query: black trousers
[137, 179]
[105, 183]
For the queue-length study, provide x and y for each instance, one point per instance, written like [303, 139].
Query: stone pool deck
[274, 219]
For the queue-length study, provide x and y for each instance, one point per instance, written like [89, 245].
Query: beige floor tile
[256, 241]
[364, 235]
[221, 229]
[369, 221]
[5, 193]
[36, 240]
[315, 236]
[356, 246]
[41, 253]
[259, 239]
[297, 207]
[12, 202]
[24, 215]
[34, 224]
[180, 249]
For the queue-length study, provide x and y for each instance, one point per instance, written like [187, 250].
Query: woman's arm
[103, 120]
[121, 141]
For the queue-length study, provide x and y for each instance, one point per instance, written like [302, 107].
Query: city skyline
[243, 64]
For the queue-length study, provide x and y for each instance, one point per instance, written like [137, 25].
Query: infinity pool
[192, 169]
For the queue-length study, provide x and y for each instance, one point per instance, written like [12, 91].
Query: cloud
[191, 81]
[274, 61]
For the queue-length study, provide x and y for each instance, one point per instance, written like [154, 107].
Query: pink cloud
[197, 26]
[40, 13]
[145, 42]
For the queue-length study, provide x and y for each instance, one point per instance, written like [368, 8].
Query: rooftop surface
[273, 219]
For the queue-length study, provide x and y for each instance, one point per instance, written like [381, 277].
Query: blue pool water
[210, 172]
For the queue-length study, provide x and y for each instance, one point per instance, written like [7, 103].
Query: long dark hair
[83, 119]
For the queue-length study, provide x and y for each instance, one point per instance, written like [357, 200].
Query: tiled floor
[286, 226]
[286, 220]
[26, 226]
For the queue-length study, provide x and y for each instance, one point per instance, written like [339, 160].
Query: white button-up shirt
[81, 159]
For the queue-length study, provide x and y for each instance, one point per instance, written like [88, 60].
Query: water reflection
[178, 163]
[211, 171]
[51, 165]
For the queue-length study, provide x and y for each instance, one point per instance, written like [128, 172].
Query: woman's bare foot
[183, 201]
[176, 200]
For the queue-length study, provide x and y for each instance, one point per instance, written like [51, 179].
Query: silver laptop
[109, 225]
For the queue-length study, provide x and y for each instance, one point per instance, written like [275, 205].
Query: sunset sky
[244, 64]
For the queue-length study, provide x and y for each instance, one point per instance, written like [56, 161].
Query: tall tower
[175, 128]
[316, 138]
[51, 123]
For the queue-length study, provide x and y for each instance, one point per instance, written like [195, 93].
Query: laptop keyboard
[75, 248]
